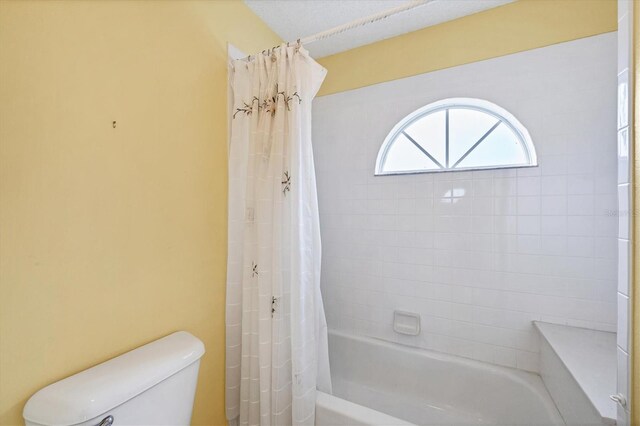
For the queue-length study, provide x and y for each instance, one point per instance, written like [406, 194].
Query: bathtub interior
[424, 387]
[334, 411]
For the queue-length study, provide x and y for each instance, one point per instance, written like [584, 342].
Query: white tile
[553, 245]
[528, 205]
[505, 224]
[624, 43]
[623, 322]
[528, 244]
[482, 206]
[623, 155]
[528, 186]
[580, 205]
[505, 187]
[623, 266]
[581, 246]
[553, 185]
[505, 205]
[423, 206]
[623, 211]
[606, 247]
[606, 225]
[553, 225]
[528, 225]
[581, 184]
[553, 164]
[623, 373]
[582, 163]
[382, 207]
[605, 204]
[407, 206]
[553, 205]
[482, 188]
[604, 269]
[623, 99]
[580, 225]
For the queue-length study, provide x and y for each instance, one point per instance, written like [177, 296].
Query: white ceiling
[293, 19]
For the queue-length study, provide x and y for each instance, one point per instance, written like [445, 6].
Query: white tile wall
[480, 254]
[624, 123]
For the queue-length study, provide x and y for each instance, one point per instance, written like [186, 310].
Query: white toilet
[154, 384]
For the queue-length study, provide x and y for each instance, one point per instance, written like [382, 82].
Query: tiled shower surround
[625, 123]
[480, 254]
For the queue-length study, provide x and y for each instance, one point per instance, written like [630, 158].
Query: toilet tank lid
[99, 389]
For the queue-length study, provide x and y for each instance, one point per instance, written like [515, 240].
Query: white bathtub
[380, 383]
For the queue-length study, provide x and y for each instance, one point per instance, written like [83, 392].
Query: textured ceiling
[293, 19]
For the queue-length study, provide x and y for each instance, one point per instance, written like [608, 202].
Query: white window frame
[481, 105]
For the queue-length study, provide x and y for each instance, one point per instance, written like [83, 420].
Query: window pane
[501, 148]
[404, 156]
[429, 132]
[466, 127]
[477, 134]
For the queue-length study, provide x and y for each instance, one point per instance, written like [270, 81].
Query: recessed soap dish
[406, 323]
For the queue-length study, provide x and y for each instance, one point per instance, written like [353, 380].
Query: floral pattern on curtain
[276, 351]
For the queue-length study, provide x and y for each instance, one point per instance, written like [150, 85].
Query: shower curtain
[276, 353]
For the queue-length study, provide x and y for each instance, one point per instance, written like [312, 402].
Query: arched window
[456, 134]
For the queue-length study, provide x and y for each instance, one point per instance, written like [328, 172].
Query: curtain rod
[357, 23]
[363, 21]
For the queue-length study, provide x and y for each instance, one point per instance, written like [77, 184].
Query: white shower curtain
[276, 329]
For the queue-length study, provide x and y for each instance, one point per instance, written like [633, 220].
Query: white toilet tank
[152, 385]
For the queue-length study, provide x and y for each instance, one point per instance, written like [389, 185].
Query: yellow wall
[111, 238]
[523, 25]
